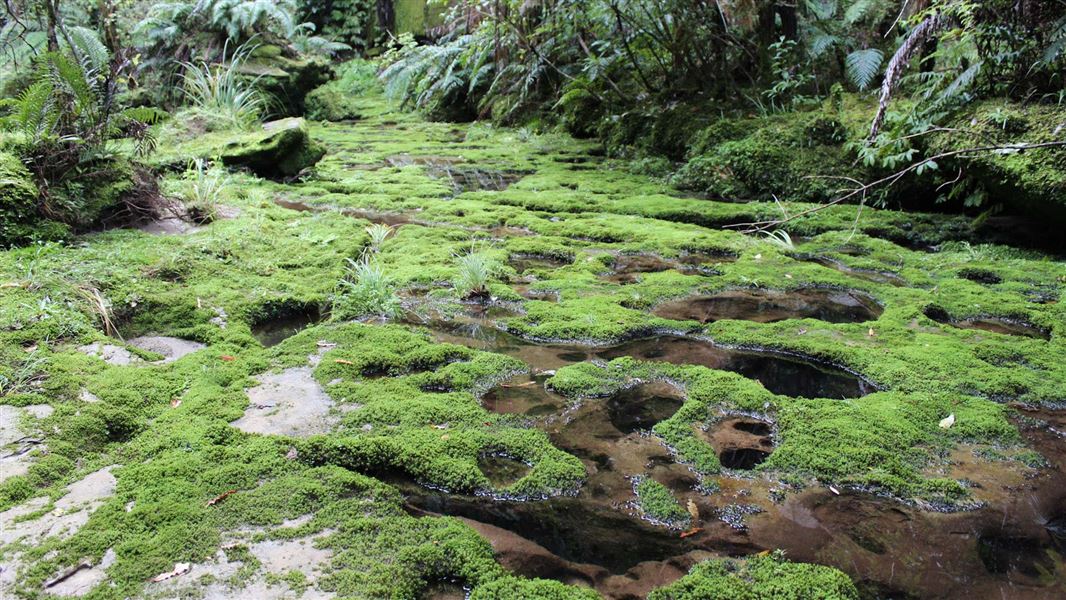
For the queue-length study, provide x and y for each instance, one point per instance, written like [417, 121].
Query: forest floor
[643, 388]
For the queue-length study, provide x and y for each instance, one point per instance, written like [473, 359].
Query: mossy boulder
[20, 221]
[330, 103]
[18, 197]
[1025, 181]
[287, 80]
[281, 148]
[794, 156]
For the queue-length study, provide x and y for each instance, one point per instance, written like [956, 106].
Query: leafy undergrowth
[406, 406]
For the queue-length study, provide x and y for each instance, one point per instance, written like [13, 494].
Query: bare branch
[862, 190]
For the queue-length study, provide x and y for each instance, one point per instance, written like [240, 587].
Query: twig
[888, 180]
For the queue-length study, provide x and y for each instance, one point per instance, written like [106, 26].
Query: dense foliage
[647, 76]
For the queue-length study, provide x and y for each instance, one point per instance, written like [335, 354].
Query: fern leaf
[862, 66]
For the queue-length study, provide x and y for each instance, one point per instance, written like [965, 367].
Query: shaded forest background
[950, 105]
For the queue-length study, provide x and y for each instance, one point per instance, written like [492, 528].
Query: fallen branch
[887, 181]
[86, 563]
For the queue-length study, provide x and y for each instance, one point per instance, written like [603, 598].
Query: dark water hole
[768, 306]
[571, 528]
[640, 408]
[742, 458]
[779, 374]
[272, 331]
[502, 470]
[1004, 325]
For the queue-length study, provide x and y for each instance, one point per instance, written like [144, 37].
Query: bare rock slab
[171, 348]
[287, 403]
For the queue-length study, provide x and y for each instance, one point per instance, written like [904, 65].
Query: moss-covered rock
[794, 156]
[1028, 182]
[18, 200]
[329, 103]
[280, 149]
[287, 80]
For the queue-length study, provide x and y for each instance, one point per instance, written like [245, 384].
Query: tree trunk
[51, 8]
[386, 16]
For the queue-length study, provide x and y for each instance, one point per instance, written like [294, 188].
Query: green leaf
[862, 66]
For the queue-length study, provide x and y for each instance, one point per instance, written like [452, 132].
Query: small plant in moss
[781, 239]
[378, 232]
[365, 291]
[222, 95]
[201, 188]
[474, 272]
[657, 503]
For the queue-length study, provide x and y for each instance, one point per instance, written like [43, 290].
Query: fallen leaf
[763, 553]
[175, 402]
[758, 257]
[445, 436]
[341, 361]
[179, 569]
[220, 497]
[693, 510]
[947, 421]
[227, 358]
[691, 532]
[292, 454]
[788, 275]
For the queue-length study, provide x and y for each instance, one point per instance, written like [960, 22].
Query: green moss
[280, 149]
[1029, 182]
[757, 578]
[514, 588]
[407, 406]
[18, 201]
[658, 504]
[791, 156]
[287, 81]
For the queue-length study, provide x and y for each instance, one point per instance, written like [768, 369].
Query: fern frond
[862, 66]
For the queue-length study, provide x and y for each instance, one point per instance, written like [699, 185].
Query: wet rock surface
[287, 403]
[768, 306]
[25, 526]
[171, 348]
[605, 250]
[20, 444]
